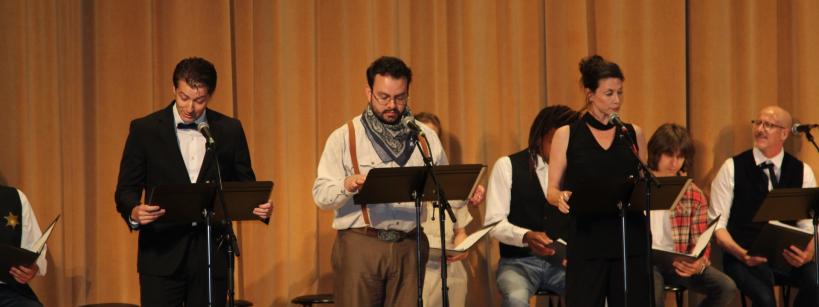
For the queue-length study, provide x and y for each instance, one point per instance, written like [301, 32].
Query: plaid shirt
[689, 219]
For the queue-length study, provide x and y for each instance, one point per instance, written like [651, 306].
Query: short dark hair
[388, 66]
[197, 72]
[670, 139]
[548, 119]
[595, 68]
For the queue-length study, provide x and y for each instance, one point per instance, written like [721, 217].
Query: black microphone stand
[649, 179]
[815, 219]
[443, 209]
[229, 238]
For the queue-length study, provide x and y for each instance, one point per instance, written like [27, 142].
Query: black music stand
[183, 202]
[410, 184]
[236, 202]
[789, 204]
[242, 198]
[663, 197]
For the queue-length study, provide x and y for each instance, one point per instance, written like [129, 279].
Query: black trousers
[589, 282]
[188, 285]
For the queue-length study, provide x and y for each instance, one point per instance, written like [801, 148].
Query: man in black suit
[166, 148]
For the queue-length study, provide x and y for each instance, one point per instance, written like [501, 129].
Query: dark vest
[528, 207]
[750, 189]
[10, 205]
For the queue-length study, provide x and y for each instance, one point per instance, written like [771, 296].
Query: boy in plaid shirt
[669, 153]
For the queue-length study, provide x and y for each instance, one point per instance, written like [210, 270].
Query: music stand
[601, 197]
[789, 204]
[663, 197]
[405, 184]
[183, 202]
[242, 198]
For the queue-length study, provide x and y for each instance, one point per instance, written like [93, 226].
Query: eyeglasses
[766, 125]
[400, 100]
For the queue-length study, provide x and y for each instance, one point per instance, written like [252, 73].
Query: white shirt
[31, 233]
[498, 198]
[335, 165]
[661, 233]
[191, 144]
[722, 188]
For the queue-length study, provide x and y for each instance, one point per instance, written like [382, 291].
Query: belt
[390, 235]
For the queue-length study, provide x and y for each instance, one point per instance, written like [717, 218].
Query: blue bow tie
[186, 126]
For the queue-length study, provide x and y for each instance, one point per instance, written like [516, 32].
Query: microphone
[204, 128]
[409, 121]
[802, 128]
[615, 119]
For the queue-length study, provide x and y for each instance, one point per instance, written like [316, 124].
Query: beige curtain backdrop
[73, 73]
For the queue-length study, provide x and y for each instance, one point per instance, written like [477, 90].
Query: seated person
[19, 228]
[737, 192]
[516, 199]
[670, 150]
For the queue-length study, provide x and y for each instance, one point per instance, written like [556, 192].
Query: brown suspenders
[354, 159]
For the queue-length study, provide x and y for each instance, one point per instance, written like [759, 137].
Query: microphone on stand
[409, 121]
[802, 128]
[204, 128]
[615, 119]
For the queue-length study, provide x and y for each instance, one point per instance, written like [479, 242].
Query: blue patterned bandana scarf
[392, 142]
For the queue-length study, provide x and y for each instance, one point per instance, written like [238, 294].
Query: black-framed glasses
[400, 100]
[767, 125]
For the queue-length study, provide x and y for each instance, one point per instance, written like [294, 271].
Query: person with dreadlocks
[374, 254]
[527, 225]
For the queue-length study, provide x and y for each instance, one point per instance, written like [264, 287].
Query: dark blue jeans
[757, 282]
[10, 297]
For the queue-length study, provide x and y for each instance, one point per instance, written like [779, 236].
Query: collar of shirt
[178, 119]
[759, 158]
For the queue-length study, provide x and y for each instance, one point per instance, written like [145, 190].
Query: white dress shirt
[31, 233]
[191, 144]
[722, 188]
[498, 198]
[336, 165]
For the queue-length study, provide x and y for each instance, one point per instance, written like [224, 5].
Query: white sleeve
[808, 181]
[31, 232]
[328, 189]
[722, 194]
[498, 198]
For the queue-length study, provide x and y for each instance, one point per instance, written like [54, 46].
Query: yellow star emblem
[11, 220]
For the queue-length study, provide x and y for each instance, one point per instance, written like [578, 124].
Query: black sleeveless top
[599, 235]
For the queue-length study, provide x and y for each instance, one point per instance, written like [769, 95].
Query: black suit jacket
[152, 157]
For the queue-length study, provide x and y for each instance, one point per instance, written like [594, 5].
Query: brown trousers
[371, 272]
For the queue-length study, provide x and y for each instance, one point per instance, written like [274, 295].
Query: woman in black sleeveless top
[588, 155]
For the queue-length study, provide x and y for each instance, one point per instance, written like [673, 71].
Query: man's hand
[24, 274]
[477, 196]
[144, 214]
[690, 268]
[263, 211]
[752, 261]
[354, 182]
[796, 257]
[538, 242]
